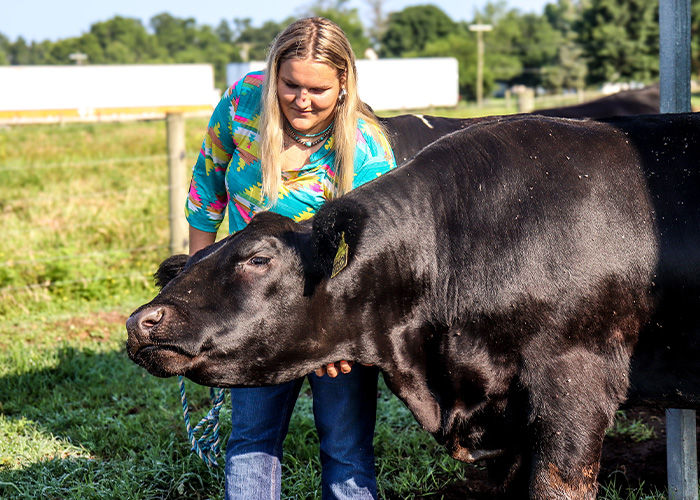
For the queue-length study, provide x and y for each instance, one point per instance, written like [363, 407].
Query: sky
[38, 20]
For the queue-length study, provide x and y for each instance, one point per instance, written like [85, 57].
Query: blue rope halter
[207, 447]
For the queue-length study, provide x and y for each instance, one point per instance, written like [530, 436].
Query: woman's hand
[333, 369]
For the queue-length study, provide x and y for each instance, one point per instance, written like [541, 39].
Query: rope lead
[207, 447]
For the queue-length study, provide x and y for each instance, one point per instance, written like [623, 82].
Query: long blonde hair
[320, 40]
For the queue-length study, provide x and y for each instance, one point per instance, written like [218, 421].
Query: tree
[621, 40]
[174, 34]
[348, 20]
[520, 46]
[4, 50]
[411, 29]
[502, 59]
[462, 46]
[378, 21]
[61, 50]
[254, 42]
[569, 70]
[90, 45]
[40, 53]
[224, 32]
[209, 47]
[538, 48]
[695, 35]
[124, 40]
[19, 52]
[563, 15]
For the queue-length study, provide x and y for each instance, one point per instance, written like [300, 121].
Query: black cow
[504, 281]
[409, 134]
[625, 103]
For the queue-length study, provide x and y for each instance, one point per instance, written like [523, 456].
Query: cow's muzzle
[470, 456]
[144, 320]
[149, 346]
[140, 326]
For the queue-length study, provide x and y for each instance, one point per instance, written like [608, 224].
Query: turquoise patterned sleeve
[207, 198]
[373, 156]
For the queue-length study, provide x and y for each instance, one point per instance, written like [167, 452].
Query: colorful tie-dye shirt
[228, 171]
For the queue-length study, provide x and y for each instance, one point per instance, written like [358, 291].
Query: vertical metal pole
[674, 57]
[681, 451]
[674, 26]
[175, 128]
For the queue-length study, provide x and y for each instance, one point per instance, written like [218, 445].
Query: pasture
[84, 226]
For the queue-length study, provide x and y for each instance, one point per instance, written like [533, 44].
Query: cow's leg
[573, 398]
[555, 475]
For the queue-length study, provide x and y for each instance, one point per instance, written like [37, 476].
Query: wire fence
[72, 226]
[84, 164]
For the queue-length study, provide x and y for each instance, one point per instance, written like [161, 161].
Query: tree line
[572, 44]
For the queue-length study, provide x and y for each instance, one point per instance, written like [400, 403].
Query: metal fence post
[674, 55]
[681, 450]
[175, 128]
[674, 62]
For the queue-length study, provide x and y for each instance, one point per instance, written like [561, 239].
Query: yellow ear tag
[341, 258]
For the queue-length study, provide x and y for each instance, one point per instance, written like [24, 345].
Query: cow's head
[248, 310]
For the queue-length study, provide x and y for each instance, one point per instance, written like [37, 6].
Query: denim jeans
[344, 412]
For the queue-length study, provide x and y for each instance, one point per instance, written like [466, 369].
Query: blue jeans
[345, 409]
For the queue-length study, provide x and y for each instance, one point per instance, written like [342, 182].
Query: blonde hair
[319, 40]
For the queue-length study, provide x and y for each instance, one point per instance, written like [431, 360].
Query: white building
[94, 92]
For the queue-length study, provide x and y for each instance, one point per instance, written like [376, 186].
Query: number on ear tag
[341, 258]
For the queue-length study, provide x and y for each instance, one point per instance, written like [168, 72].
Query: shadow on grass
[85, 423]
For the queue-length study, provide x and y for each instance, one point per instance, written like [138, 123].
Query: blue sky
[56, 19]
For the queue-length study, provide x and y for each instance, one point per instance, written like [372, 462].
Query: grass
[83, 209]
[635, 430]
[79, 420]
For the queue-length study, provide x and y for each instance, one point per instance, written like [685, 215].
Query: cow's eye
[259, 261]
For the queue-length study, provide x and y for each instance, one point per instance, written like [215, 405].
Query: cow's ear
[169, 268]
[336, 231]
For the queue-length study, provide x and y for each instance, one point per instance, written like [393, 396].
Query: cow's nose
[145, 320]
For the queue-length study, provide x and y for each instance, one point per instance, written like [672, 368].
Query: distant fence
[33, 204]
[22, 260]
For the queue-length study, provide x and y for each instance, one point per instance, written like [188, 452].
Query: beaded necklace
[315, 138]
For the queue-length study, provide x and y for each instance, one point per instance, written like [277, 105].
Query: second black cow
[411, 133]
[515, 282]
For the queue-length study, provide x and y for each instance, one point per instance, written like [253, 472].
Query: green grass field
[84, 225]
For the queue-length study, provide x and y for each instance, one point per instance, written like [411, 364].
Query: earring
[341, 95]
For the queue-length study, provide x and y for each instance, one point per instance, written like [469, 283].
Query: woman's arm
[200, 239]
[207, 196]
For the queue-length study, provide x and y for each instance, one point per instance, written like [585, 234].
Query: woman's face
[308, 93]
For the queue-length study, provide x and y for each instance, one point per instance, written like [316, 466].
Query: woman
[288, 139]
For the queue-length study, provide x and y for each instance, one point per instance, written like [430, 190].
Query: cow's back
[408, 134]
[524, 207]
[625, 103]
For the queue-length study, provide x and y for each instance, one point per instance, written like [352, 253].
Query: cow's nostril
[151, 318]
